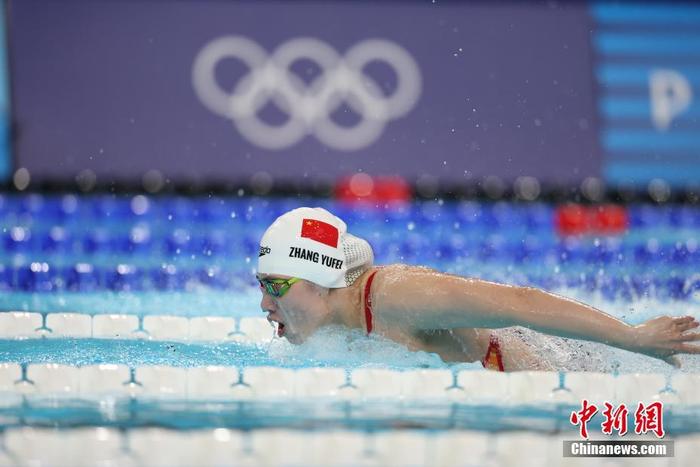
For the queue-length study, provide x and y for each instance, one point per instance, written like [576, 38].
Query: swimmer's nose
[267, 304]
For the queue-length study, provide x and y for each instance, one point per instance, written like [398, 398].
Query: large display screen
[226, 91]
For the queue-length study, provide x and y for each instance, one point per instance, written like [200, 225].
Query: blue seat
[5, 278]
[445, 251]
[51, 209]
[99, 240]
[410, 248]
[461, 244]
[19, 239]
[642, 254]
[214, 243]
[399, 213]
[260, 211]
[413, 246]
[604, 253]
[57, 240]
[432, 212]
[124, 277]
[489, 221]
[32, 204]
[82, 277]
[684, 216]
[685, 254]
[539, 217]
[250, 246]
[652, 251]
[37, 277]
[5, 206]
[66, 207]
[216, 210]
[72, 206]
[139, 241]
[169, 277]
[142, 207]
[491, 248]
[570, 251]
[115, 207]
[528, 249]
[179, 241]
[469, 212]
[216, 277]
[505, 215]
[381, 247]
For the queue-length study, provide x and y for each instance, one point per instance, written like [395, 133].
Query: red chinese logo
[583, 416]
[649, 418]
[614, 419]
[646, 418]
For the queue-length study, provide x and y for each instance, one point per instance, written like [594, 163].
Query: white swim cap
[313, 244]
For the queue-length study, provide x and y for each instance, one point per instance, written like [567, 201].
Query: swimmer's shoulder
[393, 284]
[406, 274]
[386, 276]
[399, 271]
[380, 274]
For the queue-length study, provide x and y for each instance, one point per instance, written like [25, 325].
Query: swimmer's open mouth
[280, 326]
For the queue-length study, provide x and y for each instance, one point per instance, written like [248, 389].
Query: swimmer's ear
[673, 361]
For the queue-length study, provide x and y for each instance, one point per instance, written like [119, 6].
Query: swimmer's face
[299, 312]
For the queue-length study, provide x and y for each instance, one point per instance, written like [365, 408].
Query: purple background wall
[106, 86]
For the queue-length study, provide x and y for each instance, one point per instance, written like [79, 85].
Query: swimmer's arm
[431, 300]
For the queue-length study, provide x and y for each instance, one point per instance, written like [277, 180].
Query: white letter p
[670, 95]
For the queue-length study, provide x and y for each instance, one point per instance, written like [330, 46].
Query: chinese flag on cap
[320, 231]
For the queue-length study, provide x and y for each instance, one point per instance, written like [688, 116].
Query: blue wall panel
[648, 76]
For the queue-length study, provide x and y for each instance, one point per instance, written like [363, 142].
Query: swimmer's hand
[666, 336]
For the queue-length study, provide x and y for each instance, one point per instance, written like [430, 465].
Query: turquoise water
[204, 302]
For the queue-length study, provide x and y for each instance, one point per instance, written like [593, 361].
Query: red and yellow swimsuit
[493, 360]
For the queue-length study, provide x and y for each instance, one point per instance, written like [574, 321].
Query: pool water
[131, 312]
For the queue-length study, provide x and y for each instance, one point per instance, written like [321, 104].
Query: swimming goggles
[276, 287]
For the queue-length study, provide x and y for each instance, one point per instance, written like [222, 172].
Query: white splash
[340, 346]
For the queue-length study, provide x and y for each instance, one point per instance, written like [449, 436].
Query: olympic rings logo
[309, 106]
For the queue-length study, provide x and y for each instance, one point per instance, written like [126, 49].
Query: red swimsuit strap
[493, 358]
[368, 302]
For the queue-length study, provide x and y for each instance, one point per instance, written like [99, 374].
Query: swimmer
[313, 273]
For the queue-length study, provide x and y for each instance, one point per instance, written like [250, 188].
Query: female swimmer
[313, 273]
